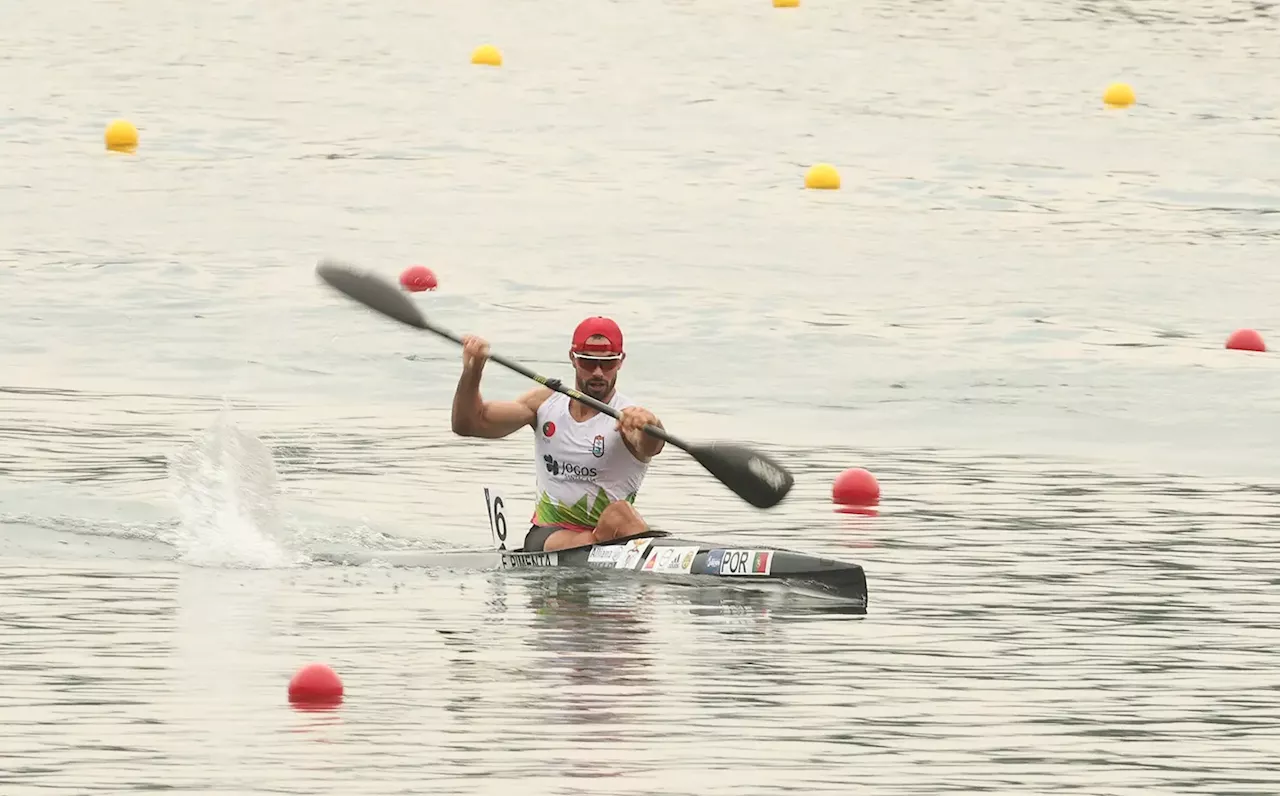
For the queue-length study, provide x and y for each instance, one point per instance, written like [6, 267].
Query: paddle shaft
[555, 384]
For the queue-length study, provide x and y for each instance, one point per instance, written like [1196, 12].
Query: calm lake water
[1013, 313]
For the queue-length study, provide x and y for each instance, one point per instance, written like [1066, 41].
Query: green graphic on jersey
[553, 512]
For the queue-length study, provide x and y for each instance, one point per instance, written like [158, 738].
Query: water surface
[1012, 313]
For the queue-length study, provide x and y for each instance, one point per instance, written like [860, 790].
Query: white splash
[224, 483]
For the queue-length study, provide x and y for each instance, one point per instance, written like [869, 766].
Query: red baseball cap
[597, 325]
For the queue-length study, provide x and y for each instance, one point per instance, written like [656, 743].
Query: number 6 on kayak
[493, 503]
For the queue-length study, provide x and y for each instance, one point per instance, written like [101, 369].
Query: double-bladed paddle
[753, 476]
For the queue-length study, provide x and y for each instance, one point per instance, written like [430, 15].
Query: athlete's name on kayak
[517, 560]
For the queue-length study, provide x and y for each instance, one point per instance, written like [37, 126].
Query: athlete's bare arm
[496, 419]
[475, 417]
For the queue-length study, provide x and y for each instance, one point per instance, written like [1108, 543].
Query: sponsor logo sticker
[714, 559]
[523, 560]
[686, 560]
[670, 559]
[633, 551]
[597, 446]
[607, 555]
[766, 472]
[744, 562]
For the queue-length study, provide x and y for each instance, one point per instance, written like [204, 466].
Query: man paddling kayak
[589, 466]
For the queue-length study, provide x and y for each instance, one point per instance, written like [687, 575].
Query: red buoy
[315, 684]
[855, 487]
[1246, 340]
[417, 278]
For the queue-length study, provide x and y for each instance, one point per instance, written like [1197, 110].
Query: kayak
[666, 555]
[650, 553]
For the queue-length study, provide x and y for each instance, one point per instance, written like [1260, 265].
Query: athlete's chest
[594, 441]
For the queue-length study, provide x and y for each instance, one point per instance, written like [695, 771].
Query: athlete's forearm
[468, 406]
[647, 444]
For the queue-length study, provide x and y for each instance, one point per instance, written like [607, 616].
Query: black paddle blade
[751, 475]
[372, 291]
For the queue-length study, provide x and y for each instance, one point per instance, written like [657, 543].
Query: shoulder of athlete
[535, 398]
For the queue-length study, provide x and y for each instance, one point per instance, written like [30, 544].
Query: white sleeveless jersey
[581, 467]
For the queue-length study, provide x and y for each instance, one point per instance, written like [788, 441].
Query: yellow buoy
[1119, 95]
[486, 55]
[786, 3]
[822, 176]
[121, 136]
